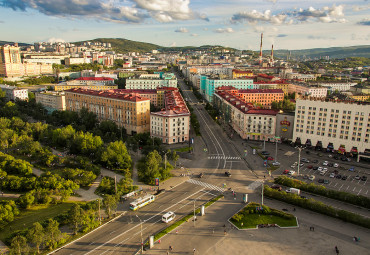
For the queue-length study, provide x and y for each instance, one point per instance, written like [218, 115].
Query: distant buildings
[95, 83]
[51, 100]
[11, 65]
[13, 93]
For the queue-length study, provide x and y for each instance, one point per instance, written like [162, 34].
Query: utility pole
[99, 211]
[264, 145]
[194, 213]
[115, 183]
[165, 161]
[262, 191]
[276, 152]
[299, 158]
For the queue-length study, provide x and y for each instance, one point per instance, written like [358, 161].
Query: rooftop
[94, 79]
[133, 97]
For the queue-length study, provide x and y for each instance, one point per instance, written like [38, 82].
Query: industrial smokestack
[261, 49]
[272, 56]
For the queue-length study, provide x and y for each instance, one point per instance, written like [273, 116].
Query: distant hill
[334, 52]
[121, 45]
[11, 43]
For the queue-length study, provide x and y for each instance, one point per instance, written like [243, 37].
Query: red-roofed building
[248, 121]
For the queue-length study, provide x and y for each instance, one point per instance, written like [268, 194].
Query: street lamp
[299, 158]
[276, 151]
[99, 211]
[165, 159]
[194, 213]
[141, 233]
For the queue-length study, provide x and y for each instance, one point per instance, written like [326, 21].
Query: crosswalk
[223, 157]
[207, 185]
[254, 185]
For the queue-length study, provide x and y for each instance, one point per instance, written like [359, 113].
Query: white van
[168, 217]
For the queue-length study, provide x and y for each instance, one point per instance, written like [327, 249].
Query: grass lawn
[29, 216]
[252, 220]
[184, 149]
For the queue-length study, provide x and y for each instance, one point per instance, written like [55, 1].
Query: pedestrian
[336, 250]
[194, 251]
[225, 232]
[170, 248]
[294, 209]
[313, 228]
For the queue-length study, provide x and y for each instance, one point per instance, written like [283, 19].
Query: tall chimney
[272, 56]
[260, 61]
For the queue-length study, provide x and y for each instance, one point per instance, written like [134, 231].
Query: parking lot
[348, 182]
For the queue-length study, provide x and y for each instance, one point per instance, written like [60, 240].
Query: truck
[294, 191]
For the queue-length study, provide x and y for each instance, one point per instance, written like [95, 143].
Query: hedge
[317, 206]
[321, 190]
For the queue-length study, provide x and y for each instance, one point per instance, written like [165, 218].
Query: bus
[140, 202]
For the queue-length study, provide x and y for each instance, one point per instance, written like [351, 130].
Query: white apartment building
[51, 100]
[299, 76]
[211, 69]
[337, 86]
[341, 123]
[12, 93]
[167, 80]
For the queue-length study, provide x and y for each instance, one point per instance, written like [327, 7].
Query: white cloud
[173, 44]
[256, 16]
[182, 30]
[224, 30]
[54, 40]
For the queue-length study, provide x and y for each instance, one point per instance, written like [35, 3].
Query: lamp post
[141, 233]
[276, 152]
[165, 160]
[99, 211]
[194, 212]
[263, 182]
[299, 158]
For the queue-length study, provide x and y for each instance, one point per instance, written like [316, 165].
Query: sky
[287, 24]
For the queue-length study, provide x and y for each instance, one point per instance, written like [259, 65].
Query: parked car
[332, 175]
[325, 163]
[311, 178]
[276, 163]
[277, 187]
[344, 177]
[320, 168]
[357, 177]
[310, 166]
[363, 178]
[321, 181]
[330, 156]
[336, 157]
[335, 172]
[200, 175]
[265, 153]
[227, 173]
[301, 164]
[315, 161]
[269, 158]
[336, 165]
[291, 172]
[286, 171]
[338, 176]
[351, 169]
[304, 160]
[315, 168]
[330, 165]
[326, 181]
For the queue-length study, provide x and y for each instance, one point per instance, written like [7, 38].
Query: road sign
[265, 162]
[156, 181]
[192, 141]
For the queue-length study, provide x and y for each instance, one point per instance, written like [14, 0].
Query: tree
[19, 245]
[53, 233]
[175, 157]
[9, 110]
[110, 204]
[75, 217]
[116, 156]
[36, 235]
[26, 200]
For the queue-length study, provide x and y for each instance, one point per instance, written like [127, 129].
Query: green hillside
[334, 52]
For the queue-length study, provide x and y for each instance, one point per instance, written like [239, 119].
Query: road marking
[335, 184]
[347, 188]
[366, 192]
[353, 188]
[160, 213]
[340, 187]
[254, 185]
[207, 185]
[359, 192]
[112, 232]
[224, 158]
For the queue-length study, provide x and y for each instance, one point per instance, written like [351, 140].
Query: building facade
[284, 126]
[13, 93]
[128, 110]
[341, 124]
[10, 61]
[167, 80]
[52, 101]
[263, 97]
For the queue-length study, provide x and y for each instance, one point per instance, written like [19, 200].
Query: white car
[319, 169]
[301, 164]
[311, 178]
[322, 173]
[291, 172]
[324, 169]
[332, 175]
[336, 165]
[325, 163]
[276, 163]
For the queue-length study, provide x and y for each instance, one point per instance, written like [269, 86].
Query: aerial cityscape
[184, 127]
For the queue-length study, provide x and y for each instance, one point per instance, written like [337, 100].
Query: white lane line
[353, 188]
[143, 221]
[340, 187]
[366, 192]
[335, 184]
[347, 188]
[359, 192]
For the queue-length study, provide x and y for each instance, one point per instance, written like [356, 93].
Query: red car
[286, 171]
[310, 167]
[270, 158]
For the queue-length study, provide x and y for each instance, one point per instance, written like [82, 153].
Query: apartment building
[337, 86]
[280, 84]
[208, 85]
[172, 124]
[152, 82]
[261, 96]
[312, 91]
[51, 100]
[337, 124]
[244, 118]
[210, 69]
[241, 74]
[128, 110]
[95, 83]
[13, 93]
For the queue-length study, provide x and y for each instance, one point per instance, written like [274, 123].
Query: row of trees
[323, 191]
[317, 206]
